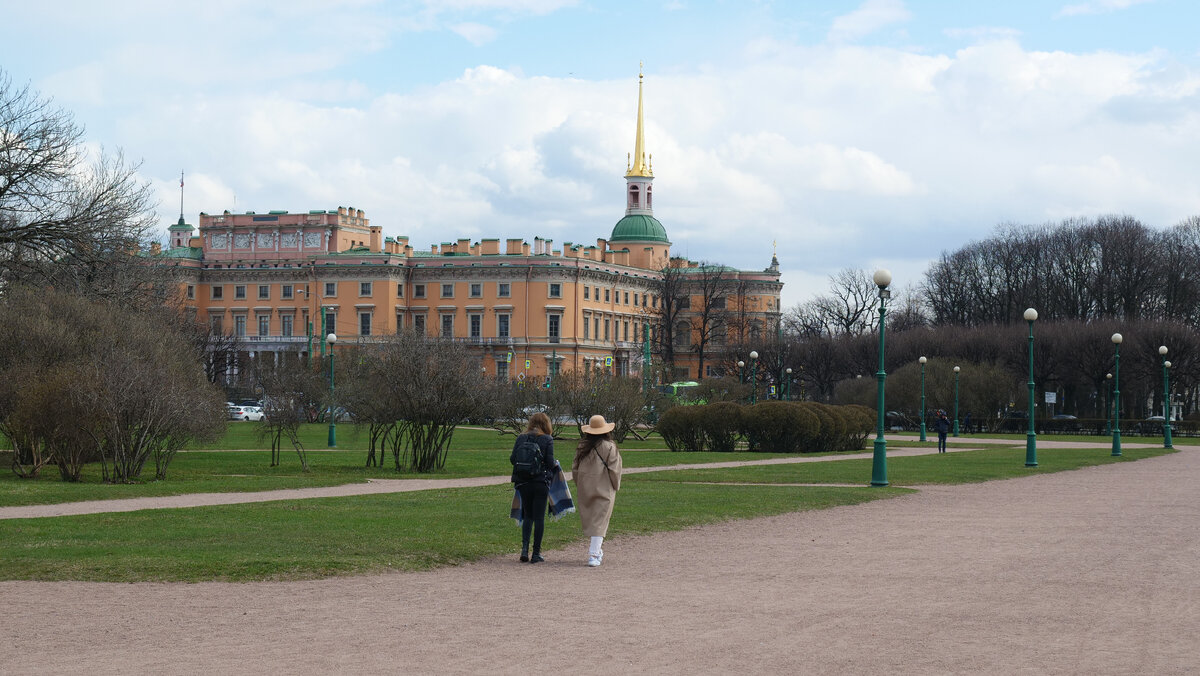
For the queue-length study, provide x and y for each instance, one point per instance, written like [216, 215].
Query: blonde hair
[540, 423]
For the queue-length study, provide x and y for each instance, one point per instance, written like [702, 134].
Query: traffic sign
[521, 375]
[608, 361]
[528, 363]
[508, 358]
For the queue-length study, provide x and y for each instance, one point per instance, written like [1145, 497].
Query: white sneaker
[593, 561]
[600, 557]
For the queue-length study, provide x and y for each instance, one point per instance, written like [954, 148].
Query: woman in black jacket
[534, 490]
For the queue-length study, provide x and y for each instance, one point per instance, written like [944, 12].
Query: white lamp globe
[1030, 315]
[883, 278]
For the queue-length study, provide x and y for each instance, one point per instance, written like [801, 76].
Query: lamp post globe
[956, 370]
[789, 383]
[1116, 434]
[882, 279]
[753, 376]
[331, 339]
[1162, 353]
[742, 371]
[922, 360]
[1031, 316]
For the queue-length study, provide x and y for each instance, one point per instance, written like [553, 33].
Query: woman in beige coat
[597, 474]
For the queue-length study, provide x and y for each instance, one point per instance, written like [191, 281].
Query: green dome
[639, 228]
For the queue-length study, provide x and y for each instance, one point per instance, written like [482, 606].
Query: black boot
[524, 552]
[537, 557]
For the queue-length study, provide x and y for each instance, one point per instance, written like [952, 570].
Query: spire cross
[181, 195]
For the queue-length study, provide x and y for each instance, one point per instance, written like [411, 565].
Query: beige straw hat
[597, 425]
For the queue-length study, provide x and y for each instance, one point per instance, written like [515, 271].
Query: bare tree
[291, 391]
[64, 218]
[710, 286]
[669, 331]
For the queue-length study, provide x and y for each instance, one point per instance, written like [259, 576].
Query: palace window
[447, 290]
[264, 325]
[239, 326]
[606, 295]
[239, 292]
[191, 292]
[286, 291]
[585, 292]
[330, 322]
[552, 327]
[400, 290]
[476, 290]
[285, 325]
[586, 327]
[264, 291]
[503, 289]
[418, 291]
[447, 326]
[502, 322]
[364, 323]
[330, 289]
[364, 289]
[419, 324]
[556, 290]
[475, 325]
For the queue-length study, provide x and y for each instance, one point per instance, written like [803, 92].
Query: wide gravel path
[1095, 571]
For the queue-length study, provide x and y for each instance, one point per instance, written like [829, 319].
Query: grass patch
[245, 471]
[306, 539]
[948, 468]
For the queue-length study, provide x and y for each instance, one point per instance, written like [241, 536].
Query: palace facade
[279, 281]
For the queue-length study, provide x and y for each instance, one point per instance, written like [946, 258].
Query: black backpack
[528, 463]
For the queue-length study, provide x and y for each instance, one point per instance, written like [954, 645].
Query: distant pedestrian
[942, 425]
[597, 474]
[535, 446]
[967, 423]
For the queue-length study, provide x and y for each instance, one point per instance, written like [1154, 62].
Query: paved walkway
[1085, 572]
[376, 486]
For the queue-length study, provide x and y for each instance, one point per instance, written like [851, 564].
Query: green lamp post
[882, 278]
[956, 370]
[753, 376]
[1031, 315]
[331, 339]
[923, 360]
[1162, 351]
[1116, 435]
[789, 383]
[1108, 405]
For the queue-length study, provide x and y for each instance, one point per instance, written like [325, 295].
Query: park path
[1083, 572]
[377, 486]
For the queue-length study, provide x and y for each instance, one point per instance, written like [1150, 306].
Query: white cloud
[475, 33]
[871, 16]
[1098, 7]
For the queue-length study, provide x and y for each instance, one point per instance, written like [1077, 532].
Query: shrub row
[774, 426]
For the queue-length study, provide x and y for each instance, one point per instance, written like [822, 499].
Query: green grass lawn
[243, 471]
[304, 539]
[947, 468]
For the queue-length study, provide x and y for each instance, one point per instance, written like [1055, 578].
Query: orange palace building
[531, 309]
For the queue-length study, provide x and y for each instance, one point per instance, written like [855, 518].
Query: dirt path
[376, 486]
[1085, 572]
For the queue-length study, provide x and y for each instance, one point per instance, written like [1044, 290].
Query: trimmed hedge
[769, 426]
[680, 427]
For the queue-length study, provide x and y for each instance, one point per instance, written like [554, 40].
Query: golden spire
[641, 167]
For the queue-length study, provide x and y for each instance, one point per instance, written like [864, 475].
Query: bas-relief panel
[241, 240]
[220, 241]
[288, 240]
[312, 240]
[265, 239]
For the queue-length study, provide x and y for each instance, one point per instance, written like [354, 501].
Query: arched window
[649, 197]
[633, 196]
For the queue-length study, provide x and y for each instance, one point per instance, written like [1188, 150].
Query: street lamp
[789, 383]
[956, 369]
[1116, 435]
[753, 376]
[742, 371]
[1031, 436]
[1162, 351]
[879, 460]
[923, 360]
[1108, 405]
[331, 339]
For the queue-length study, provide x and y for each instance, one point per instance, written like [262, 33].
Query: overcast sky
[855, 134]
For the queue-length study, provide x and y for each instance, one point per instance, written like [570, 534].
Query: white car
[252, 413]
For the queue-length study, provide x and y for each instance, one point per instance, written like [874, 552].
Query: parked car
[1153, 426]
[237, 412]
[1064, 423]
[252, 413]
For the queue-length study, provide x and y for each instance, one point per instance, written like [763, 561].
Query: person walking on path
[532, 459]
[942, 425]
[597, 474]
